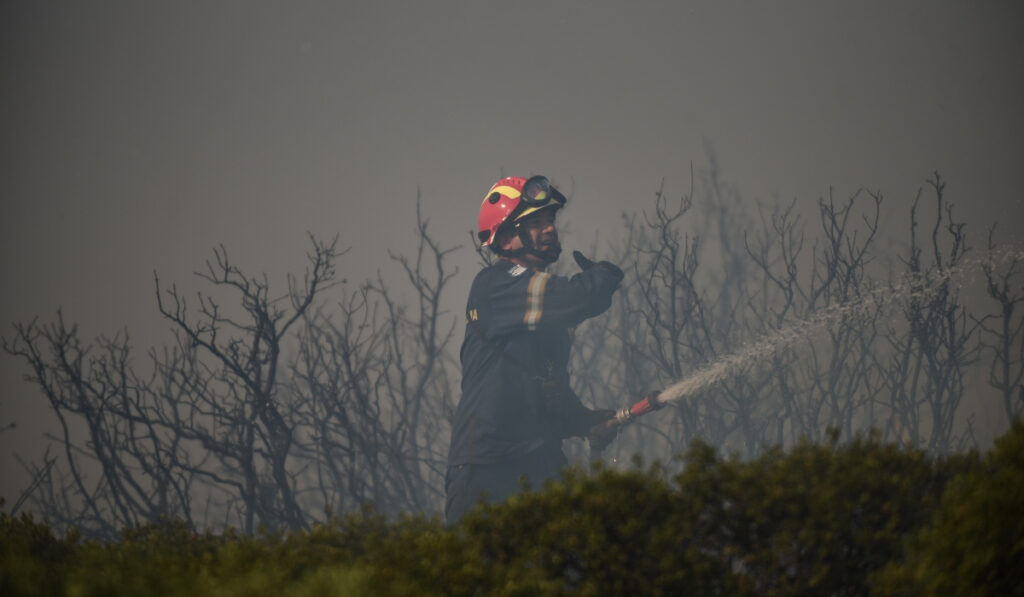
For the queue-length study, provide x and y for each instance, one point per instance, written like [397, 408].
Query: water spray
[917, 286]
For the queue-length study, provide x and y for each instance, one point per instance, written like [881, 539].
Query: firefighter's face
[540, 229]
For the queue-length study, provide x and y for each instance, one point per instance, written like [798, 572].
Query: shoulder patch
[517, 270]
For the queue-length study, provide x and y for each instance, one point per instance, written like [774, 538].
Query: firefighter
[516, 404]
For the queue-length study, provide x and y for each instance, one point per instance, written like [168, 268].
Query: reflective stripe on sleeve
[535, 299]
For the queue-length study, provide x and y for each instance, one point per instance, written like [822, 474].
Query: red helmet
[507, 202]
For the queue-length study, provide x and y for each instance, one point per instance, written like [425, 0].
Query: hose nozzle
[645, 405]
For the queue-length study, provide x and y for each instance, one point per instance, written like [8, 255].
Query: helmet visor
[538, 191]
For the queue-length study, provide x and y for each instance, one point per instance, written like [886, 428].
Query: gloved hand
[586, 264]
[582, 261]
[603, 431]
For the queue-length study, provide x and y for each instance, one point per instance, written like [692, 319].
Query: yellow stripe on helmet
[510, 192]
[532, 210]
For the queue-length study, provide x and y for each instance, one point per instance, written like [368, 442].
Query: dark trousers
[468, 484]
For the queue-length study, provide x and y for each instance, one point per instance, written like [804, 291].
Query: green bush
[819, 520]
[32, 560]
[164, 557]
[974, 544]
[168, 558]
[830, 519]
[607, 533]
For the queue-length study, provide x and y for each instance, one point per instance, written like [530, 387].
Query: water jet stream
[919, 287]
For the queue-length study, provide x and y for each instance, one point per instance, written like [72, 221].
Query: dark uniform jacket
[515, 382]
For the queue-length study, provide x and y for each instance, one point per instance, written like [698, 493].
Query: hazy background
[137, 136]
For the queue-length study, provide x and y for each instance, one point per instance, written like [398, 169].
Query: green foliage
[974, 545]
[851, 519]
[32, 560]
[167, 558]
[160, 558]
[607, 533]
[818, 520]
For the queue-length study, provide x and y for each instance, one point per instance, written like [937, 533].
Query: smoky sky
[138, 136]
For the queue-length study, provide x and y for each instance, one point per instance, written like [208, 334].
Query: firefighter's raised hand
[586, 264]
[582, 261]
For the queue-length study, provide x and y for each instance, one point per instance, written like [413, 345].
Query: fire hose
[603, 433]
